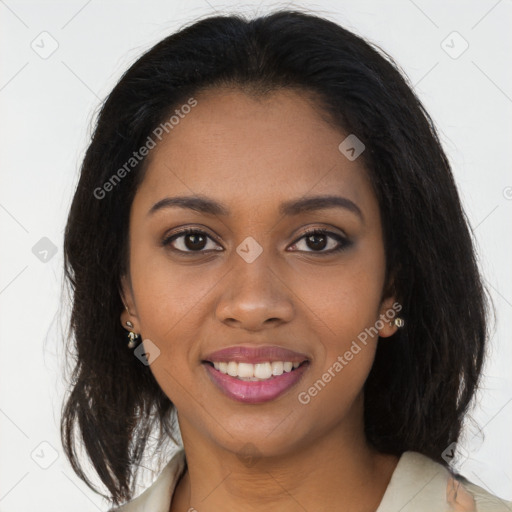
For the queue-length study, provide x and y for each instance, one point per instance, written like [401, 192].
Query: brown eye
[318, 239]
[188, 240]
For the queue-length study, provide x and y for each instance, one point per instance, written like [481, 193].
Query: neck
[335, 471]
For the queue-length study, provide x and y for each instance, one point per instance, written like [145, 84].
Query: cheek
[343, 310]
[345, 325]
[343, 300]
[169, 304]
[333, 391]
[346, 313]
[168, 296]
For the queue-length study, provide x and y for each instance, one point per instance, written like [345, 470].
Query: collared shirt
[418, 484]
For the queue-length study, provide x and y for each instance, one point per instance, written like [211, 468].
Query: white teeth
[277, 368]
[232, 369]
[253, 372]
[262, 370]
[245, 370]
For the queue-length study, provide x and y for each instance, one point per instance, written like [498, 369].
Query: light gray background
[47, 107]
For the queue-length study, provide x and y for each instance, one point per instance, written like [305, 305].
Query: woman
[266, 215]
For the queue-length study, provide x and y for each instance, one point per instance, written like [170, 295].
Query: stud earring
[132, 336]
[399, 322]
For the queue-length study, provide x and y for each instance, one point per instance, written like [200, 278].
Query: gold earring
[132, 336]
[399, 322]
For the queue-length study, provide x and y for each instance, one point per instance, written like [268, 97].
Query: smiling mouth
[256, 383]
[263, 371]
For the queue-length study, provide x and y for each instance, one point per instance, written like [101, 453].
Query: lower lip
[255, 392]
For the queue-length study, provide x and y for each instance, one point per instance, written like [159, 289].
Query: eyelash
[342, 241]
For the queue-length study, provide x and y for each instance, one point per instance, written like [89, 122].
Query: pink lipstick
[255, 375]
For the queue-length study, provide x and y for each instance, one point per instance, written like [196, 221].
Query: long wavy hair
[422, 383]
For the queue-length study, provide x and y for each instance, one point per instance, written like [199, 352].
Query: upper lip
[261, 354]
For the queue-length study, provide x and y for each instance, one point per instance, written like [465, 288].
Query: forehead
[244, 150]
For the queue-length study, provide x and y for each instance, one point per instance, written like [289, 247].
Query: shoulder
[157, 497]
[420, 484]
[461, 489]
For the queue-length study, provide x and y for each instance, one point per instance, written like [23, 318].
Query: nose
[254, 296]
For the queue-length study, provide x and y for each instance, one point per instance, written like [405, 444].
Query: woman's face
[253, 280]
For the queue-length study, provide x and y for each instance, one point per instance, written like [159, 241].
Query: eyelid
[183, 230]
[324, 229]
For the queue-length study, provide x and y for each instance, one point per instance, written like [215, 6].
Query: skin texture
[251, 154]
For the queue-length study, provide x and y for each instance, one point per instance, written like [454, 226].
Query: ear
[389, 310]
[129, 313]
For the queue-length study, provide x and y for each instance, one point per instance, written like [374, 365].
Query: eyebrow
[206, 205]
